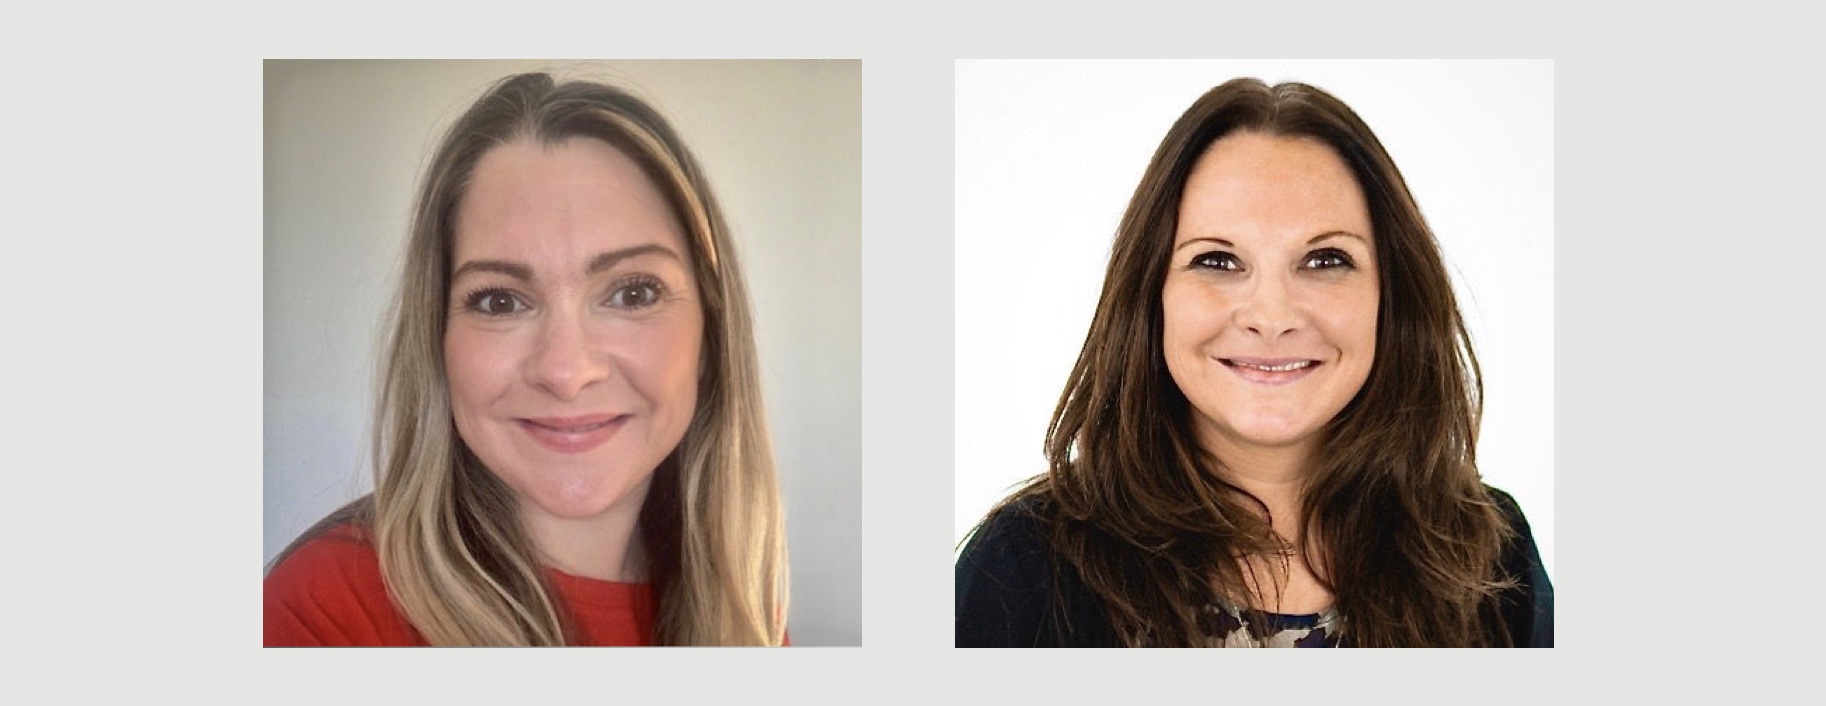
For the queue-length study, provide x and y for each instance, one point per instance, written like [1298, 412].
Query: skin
[572, 296]
[1273, 260]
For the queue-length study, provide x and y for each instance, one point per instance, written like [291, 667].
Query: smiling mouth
[1270, 371]
[573, 434]
[1280, 368]
[571, 428]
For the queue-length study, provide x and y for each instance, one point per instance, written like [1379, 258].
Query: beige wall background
[344, 144]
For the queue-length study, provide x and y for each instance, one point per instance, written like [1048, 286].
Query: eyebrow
[1315, 239]
[1337, 234]
[601, 262]
[609, 259]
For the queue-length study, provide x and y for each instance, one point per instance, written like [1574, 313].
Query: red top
[329, 592]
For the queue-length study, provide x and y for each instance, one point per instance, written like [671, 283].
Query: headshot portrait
[562, 353]
[1254, 354]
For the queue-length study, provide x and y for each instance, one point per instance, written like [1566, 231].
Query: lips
[1271, 371]
[573, 434]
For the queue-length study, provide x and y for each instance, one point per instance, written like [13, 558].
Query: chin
[1269, 433]
[1277, 438]
[586, 498]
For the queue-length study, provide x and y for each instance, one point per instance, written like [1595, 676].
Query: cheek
[478, 367]
[1352, 325]
[1191, 320]
[1190, 317]
[663, 365]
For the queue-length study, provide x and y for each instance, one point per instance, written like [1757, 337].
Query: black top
[1005, 593]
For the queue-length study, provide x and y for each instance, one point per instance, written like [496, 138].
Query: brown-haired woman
[1269, 436]
[571, 447]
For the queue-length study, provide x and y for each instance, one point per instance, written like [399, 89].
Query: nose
[1268, 308]
[566, 359]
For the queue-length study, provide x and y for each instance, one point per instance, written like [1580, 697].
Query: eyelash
[1227, 262]
[654, 292]
[478, 300]
[1341, 259]
[656, 289]
[1216, 260]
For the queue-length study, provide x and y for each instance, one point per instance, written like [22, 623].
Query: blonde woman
[571, 448]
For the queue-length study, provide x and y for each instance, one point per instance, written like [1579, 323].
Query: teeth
[579, 430]
[1279, 368]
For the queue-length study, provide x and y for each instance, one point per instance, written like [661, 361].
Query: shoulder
[1011, 592]
[1013, 535]
[1004, 578]
[1520, 551]
[329, 591]
[1009, 553]
[1528, 608]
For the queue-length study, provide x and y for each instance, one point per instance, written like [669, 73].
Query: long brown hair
[453, 553]
[1397, 523]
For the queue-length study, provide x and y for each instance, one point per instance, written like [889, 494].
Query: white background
[1049, 153]
[780, 143]
[1687, 150]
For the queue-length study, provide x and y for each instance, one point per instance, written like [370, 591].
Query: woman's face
[574, 327]
[1271, 292]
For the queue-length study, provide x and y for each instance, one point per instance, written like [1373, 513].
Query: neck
[1276, 475]
[606, 546]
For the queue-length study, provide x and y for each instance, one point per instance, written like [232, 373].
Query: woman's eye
[495, 302]
[1327, 259]
[1221, 261]
[638, 294]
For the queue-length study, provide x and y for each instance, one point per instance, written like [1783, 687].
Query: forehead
[1250, 186]
[573, 199]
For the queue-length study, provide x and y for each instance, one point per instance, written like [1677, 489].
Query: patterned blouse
[1231, 628]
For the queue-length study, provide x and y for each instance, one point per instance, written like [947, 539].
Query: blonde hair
[452, 551]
